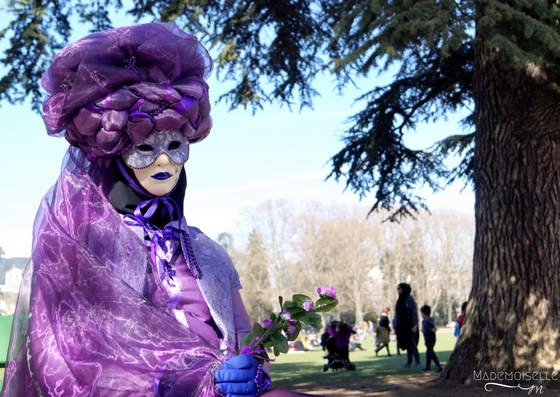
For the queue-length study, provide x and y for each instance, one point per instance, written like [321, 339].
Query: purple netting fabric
[83, 326]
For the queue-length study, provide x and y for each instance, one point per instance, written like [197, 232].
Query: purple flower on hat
[308, 306]
[327, 292]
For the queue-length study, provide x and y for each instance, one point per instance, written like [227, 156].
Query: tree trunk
[358, 305]
[513, 316]
[449, 309]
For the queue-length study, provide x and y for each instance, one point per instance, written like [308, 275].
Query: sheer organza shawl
[83, 326]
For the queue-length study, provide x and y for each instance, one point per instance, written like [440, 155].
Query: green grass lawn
[5, 329]
[306, 368]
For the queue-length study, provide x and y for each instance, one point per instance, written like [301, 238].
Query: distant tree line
[284, 248]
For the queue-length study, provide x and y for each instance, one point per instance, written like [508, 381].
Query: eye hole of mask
[174, 145]
[145, 148]
[143, 154]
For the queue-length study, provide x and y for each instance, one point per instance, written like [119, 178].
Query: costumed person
[384, 331]
[121, 297]
[406, 325]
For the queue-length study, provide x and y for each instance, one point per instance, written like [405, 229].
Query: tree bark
[358, 305]
[513, 316]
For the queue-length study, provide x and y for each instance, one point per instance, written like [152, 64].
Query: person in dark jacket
[406, 324]
[429, 330]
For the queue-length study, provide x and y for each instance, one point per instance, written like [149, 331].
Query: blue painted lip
[162, 176]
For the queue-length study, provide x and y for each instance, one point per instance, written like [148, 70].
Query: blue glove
[241, 376]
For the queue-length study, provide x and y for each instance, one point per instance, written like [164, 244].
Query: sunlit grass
[306, 368]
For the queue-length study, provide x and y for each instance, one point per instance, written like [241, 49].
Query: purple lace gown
[93, 317]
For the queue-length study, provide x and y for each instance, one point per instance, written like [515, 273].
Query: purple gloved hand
[241, 376]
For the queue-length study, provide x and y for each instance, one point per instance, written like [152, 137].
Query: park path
[413, 386]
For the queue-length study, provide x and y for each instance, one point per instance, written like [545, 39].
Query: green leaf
[280, 344]
[325, 304]
[247, 339]
[300, 299]
[313, 320]
[277, 327]
[281, 300]
[289, 304]
[257, 330]
[273, 316]
[297, 312]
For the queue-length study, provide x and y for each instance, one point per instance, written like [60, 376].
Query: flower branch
[279, 330]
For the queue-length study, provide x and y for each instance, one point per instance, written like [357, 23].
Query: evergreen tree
[497, 58]
[226, 241]
[255, 278]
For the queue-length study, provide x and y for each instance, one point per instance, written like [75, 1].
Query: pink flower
[291, 328]
[267, 323]
[327, 291]
[285, 316]
[308, 306]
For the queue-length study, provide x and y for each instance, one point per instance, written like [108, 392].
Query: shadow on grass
[303, 373]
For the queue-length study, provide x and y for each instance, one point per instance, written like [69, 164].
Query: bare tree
[433, 253]
[336, 246]
[273, 221]
[364, 258]
[451, 240]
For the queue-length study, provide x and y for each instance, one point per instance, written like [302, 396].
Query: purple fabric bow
[161, 240]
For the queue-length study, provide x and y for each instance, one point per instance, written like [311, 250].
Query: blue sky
[246, 160]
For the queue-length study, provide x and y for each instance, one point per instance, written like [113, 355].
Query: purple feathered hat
[112, 88]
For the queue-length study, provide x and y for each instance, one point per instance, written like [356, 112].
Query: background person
[460, 320]
[384, 331]
[406, 325]
[429, 330]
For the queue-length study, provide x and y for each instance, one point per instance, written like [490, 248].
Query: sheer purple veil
[88, 321]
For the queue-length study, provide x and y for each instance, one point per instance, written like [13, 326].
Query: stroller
[334, 359]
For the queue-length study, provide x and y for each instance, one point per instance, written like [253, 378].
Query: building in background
[11, 272]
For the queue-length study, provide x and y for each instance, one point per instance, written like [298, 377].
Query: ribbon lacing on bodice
[161, 242]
